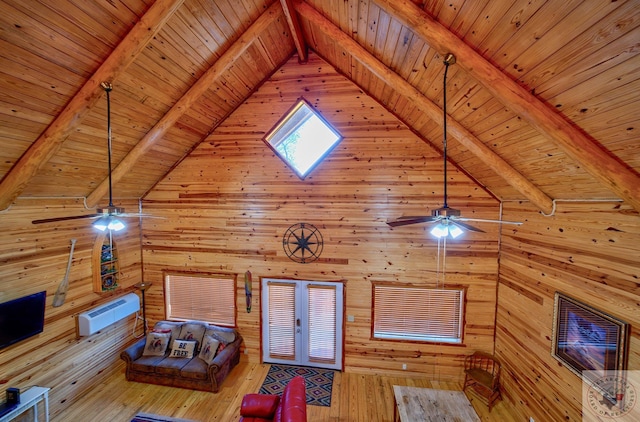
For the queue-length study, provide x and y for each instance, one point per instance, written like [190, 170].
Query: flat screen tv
[21, 318]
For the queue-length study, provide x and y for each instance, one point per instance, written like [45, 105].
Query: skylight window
[303, 138]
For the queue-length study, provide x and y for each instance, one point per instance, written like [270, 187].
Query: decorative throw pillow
[183, 348]
[156, 344]
[162, 326]
[209, 349]
[225, 337]
[192, 331]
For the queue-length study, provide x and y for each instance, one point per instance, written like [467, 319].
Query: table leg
[46, 406]
[395, 410]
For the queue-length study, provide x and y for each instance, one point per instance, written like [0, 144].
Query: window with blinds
[209, 297]
[418, 313]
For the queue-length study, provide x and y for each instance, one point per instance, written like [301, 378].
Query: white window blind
[282, 323]
[209, 298]
[322, 323]
[418, 313]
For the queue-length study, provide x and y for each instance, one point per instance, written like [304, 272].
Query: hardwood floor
[356, 397]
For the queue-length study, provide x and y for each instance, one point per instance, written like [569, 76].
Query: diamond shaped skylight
[303, 138]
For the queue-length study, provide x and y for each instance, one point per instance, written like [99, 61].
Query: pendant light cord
[438, 264]
[444, 126]
[107, 87]
[441, 264]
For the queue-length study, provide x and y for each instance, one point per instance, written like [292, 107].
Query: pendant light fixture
[449, 221]
[109, 220]
[444, 227]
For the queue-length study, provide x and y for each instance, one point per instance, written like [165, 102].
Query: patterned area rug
[148, 417]
[318, 382]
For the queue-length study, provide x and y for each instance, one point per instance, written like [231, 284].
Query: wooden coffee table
[428, 405]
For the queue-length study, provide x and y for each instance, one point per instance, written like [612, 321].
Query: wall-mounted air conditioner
[106, 314]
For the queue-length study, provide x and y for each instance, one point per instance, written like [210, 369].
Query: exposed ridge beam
[601, 164]
[51, 140]
[433, 111]
[186, 101]
[296, 30]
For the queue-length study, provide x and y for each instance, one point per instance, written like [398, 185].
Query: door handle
[297, 322]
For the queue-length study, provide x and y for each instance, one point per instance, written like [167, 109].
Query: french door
[302, 322]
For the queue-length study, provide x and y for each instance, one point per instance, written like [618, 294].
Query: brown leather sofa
[166, 367]
[291, 407]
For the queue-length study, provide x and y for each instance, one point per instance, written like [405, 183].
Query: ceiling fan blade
[411, 217]
[405, 221]
[480, 220]
[462, 225]
[137, 215]
[73, 217]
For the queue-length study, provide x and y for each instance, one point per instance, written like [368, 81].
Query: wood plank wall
[586, 250]
[229, 202]
[34, 258]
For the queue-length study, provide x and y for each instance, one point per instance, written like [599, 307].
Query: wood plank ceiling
[544, 100]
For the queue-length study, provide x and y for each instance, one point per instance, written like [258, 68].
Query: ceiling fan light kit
[109, 219]
[449, 219]
[110, 222]
[444, 229]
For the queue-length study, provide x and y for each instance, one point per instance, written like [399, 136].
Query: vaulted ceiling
[544, 100]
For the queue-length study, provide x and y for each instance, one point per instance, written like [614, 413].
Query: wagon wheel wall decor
[302, 243]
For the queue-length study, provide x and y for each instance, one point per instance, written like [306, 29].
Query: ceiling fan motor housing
[445, 212]
[110, 210]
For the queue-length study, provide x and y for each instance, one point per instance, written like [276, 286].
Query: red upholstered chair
[291, 407]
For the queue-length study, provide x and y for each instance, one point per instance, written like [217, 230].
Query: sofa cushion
[146, 363]
[259, 405]
[192, 331]
[252, 419]
[156, 344]
[209, 349]
[195, 369]
[171, 366]
[183, 348]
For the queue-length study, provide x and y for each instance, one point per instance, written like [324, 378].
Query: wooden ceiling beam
[296, 30]
[186, 101]
[587, 152]
[432, 110]
[51, 140]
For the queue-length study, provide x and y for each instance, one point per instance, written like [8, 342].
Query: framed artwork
[587, 339]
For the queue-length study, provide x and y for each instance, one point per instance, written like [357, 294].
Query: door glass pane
[282, 325]
[322, 324]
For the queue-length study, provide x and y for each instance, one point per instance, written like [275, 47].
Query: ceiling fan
[450, 222]
[109, 217]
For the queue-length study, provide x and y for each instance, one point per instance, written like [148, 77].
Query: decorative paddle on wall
[61, 292]
[248, 289]
[450, 222]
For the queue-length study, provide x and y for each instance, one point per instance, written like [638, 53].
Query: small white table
[30, 398]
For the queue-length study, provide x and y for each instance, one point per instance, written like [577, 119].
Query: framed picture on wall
[587, 339]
